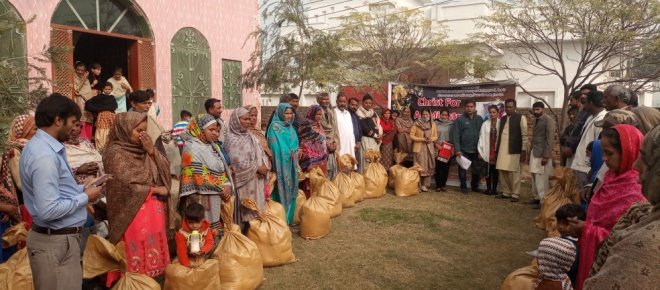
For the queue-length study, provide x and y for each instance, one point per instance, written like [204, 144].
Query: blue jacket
[465, 133]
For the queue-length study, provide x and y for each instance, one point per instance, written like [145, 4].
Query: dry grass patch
[430, 241]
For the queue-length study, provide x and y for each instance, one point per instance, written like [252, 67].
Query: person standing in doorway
[465, 135]
[82, 93]
[444, 126]
[120, 89]
[540, 161]
[53, 197]
[94, 81]
[511, 150]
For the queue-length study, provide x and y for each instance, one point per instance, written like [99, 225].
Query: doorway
[109, 52]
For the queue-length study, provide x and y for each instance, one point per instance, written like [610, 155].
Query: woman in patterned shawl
[205, 177]
[249, 163]
[313, 148]
[283, 142]
[20, 132]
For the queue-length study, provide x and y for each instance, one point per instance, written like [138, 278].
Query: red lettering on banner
[453, 103]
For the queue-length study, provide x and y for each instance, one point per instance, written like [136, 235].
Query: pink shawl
[618, 192]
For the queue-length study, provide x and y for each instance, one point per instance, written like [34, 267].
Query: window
[115, 16]
[191, 71]
[13, 61]
[232, 94]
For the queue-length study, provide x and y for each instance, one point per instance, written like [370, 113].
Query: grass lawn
[431, 241]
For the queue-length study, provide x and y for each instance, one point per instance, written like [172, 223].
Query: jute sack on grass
[563, 192]
[406, 181]
[315, 218]
[15, 273]
[375, 176]
[394, 169]
[523, 278]
[271, 235]
[276, 209]
[360, 186]
[345, 183]
[203, 277]
[239, 260]
[322, 187]
[299, 202]
[101, 257]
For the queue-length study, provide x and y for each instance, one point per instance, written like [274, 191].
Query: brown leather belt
[49, 231]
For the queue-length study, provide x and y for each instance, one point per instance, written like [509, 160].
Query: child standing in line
[195, 238]
[103, 106]
[180, 128]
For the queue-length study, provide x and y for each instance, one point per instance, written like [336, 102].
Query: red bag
[445, 152]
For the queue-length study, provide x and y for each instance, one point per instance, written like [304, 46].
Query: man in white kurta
[590, 132]
[508, 164]
[345, 132]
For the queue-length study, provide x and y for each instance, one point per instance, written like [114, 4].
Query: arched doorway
[191, 71]
[113, 33]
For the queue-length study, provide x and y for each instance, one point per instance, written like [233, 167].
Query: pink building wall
[226, 25]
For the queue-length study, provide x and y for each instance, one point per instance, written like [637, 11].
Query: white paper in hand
[464, 162]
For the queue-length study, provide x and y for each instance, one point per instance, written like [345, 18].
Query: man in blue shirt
[53, 198]
[465, 136]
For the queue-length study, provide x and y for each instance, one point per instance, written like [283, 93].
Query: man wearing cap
[540, 162]
[589, 133]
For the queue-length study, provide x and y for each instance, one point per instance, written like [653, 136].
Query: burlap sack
[15, 273]
[238, 257]
[315, 218]
[360, 186]
[101, 256]
[406, 181]
[271, 235]
[15, 235]
[276, 209]
[563, 192]
[322, 187]
[299, 202]
[523, 278]
[204, 277]
[345, 183]
[375, 176]
[394, 169]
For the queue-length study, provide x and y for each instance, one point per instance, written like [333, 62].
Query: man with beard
[582, 117]
[511, 150]
[353, 105]
[540, 162]
[569, 137]
[57, 203]
[214, 108]
[590, 132]
[347, 130]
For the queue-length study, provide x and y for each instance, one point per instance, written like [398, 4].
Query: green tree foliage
[289, 52]
[406, 46]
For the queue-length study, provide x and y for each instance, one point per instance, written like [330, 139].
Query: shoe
[515, 199]
[490, 192]
[476, 190]
[464, 190]
[534, 202]
[443, 189]
[537, 206]
[424, 189]
[501, 196]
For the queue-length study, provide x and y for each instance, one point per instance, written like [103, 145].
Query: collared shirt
[589, 133]
[50, 191]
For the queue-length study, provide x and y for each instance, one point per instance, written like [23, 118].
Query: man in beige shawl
[329, 124]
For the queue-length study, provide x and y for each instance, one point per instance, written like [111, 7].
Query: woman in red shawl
[620, 189]
[389, 132]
